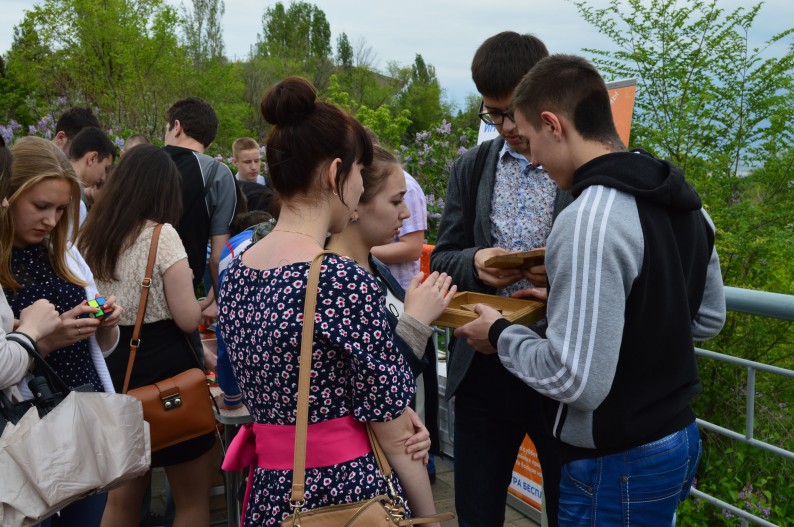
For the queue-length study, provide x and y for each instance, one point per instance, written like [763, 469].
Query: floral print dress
[356, 369]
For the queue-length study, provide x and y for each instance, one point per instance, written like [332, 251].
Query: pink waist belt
[273, 446]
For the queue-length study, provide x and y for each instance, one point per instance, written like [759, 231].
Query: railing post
[749, 418]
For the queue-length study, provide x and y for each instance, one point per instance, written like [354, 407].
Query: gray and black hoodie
[634, 279]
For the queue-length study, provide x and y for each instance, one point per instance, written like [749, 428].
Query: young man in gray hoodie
[633, 278]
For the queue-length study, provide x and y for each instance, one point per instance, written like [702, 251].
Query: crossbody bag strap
[135, 341]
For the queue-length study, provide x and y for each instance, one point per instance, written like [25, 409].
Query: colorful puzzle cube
[99, 303]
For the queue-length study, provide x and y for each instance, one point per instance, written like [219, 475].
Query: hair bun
[289, 101]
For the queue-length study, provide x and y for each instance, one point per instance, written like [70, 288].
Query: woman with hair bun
[315, 154]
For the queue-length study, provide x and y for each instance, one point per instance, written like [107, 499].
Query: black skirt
[164, 352]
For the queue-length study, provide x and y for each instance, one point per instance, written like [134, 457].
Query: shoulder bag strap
[304, 380]
[42, 366]
[135, 341]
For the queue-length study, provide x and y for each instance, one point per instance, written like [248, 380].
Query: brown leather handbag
[180, 407]
[383, 510]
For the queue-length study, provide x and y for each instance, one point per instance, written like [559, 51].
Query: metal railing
[761, 303]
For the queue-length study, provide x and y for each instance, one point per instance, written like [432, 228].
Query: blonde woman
[35, 321]
[42, 262]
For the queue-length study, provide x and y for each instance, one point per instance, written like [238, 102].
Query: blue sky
[445, 32]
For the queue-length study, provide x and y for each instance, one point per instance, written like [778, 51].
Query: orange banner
[527, 483]
[621, 95]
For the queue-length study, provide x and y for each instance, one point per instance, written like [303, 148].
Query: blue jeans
[641, 486]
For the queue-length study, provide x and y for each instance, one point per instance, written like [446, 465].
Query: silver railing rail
[761, 303]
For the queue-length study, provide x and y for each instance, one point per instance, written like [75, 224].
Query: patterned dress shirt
[521, 207]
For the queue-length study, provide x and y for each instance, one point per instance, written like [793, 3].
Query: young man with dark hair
[496, 203]
[70, 123]
[197, 120]
[633, 278]
[208, 189]
[91, 154]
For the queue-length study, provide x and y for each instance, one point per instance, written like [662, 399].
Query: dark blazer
[459, 239]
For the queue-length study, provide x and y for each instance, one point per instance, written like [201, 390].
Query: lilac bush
[429, 159]
[45, 127]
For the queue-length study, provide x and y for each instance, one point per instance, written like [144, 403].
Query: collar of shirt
[523, 162]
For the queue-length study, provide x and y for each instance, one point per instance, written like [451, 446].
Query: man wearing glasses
[496, 203]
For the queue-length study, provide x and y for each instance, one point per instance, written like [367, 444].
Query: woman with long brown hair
[145, 190]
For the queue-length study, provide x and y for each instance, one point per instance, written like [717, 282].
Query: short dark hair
[306, 134]
[91, 139]
[258, 196]
[246, 220]
[75, 119]
[502, 60]
[568, 85]
[197, 117]
[112, 227]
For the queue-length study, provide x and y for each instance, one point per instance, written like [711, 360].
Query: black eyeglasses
[494, 117]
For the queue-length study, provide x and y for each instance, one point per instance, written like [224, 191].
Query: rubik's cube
[99, 303]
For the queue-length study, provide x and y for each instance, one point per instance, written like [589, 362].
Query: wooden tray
[516, 310]
[523, 260]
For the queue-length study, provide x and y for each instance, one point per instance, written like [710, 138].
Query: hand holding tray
[521, 260]
[516, 310]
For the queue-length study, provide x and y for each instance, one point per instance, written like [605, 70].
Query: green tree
[421, 96]
[298, 38]
[360, 79]
[120, 56]
[721, 108]
[203, 32]
[344, 52]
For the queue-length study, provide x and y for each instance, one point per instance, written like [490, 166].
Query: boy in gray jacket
[633, 278]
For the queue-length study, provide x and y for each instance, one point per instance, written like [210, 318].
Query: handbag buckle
[172, 402]
[146, 282]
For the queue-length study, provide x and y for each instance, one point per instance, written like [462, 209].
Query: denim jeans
[641, 486]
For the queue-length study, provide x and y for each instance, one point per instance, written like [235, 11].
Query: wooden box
[523, 260]
[517, 310]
